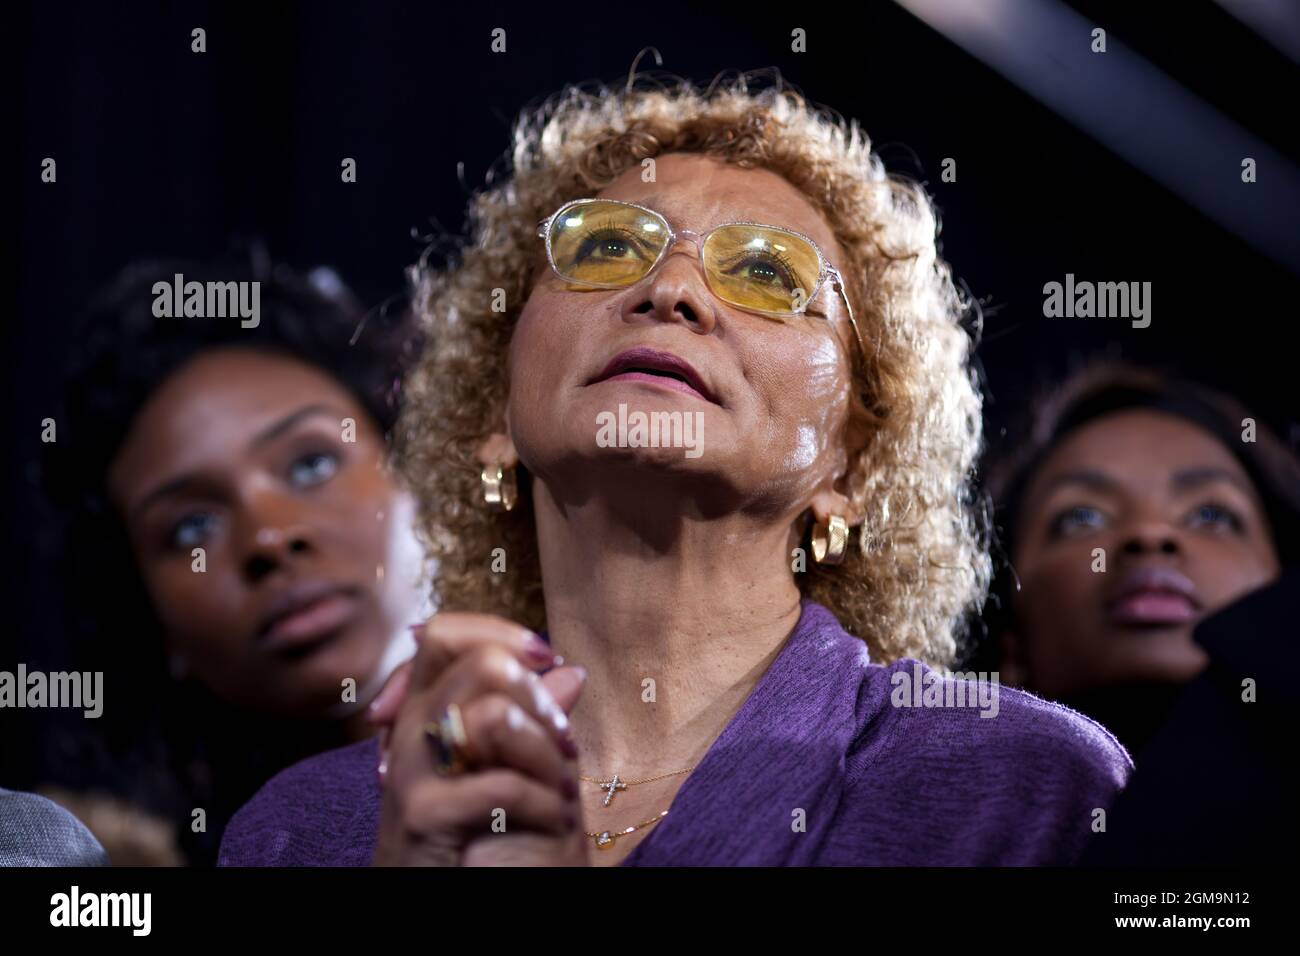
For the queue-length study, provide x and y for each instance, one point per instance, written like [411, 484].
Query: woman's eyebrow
[1190, 478]
[283, 425]
[1090, 477]
[172, 486]
[183, 483]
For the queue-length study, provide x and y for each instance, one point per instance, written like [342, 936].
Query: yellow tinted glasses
[608, 244]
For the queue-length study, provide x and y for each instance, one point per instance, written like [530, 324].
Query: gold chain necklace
[605, 838]
[616, 783]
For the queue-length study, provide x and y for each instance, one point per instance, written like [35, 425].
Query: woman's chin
[1163, 655]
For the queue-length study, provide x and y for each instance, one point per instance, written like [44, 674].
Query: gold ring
[450, 742]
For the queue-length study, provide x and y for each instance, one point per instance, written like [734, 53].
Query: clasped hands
[516, 801]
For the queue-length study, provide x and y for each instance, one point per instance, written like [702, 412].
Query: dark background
[164, 152]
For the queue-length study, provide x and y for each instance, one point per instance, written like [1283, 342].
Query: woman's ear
[829, 500]
[498, 449]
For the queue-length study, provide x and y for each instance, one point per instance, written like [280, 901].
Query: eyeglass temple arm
[844, 294]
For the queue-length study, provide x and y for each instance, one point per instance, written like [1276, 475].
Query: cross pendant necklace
[610, 786]
[616, 783]
[605, 838]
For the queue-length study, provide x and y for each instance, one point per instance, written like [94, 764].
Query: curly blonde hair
[922, 561]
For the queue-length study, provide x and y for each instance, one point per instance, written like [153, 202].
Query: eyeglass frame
[825, 269]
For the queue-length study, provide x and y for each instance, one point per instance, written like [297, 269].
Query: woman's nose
[274, 540]
[1150, 537]
[677, 291]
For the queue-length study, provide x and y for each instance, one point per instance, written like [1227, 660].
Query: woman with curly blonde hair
[697, 402]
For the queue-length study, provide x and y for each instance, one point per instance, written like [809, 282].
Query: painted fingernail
[559, 718]
[570, 788]
[538, 649]
[570, 821]
[568, 746]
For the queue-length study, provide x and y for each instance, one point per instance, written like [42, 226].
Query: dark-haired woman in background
[233, 521]
[1154, 529]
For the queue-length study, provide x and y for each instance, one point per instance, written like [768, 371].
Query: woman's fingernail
[568, 746]
[538, 651]
[570, 788]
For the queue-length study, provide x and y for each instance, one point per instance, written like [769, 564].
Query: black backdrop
[162, 151]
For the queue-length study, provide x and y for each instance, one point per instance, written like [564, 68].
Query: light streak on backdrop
[1133, 109]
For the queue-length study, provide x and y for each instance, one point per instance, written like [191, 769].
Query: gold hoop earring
[830, 540]
[500, 489]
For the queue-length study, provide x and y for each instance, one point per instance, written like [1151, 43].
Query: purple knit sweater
[830, 761]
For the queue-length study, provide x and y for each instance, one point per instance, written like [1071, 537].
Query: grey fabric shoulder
[35, 831]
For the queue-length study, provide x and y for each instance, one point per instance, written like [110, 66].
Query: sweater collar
[766, 790]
